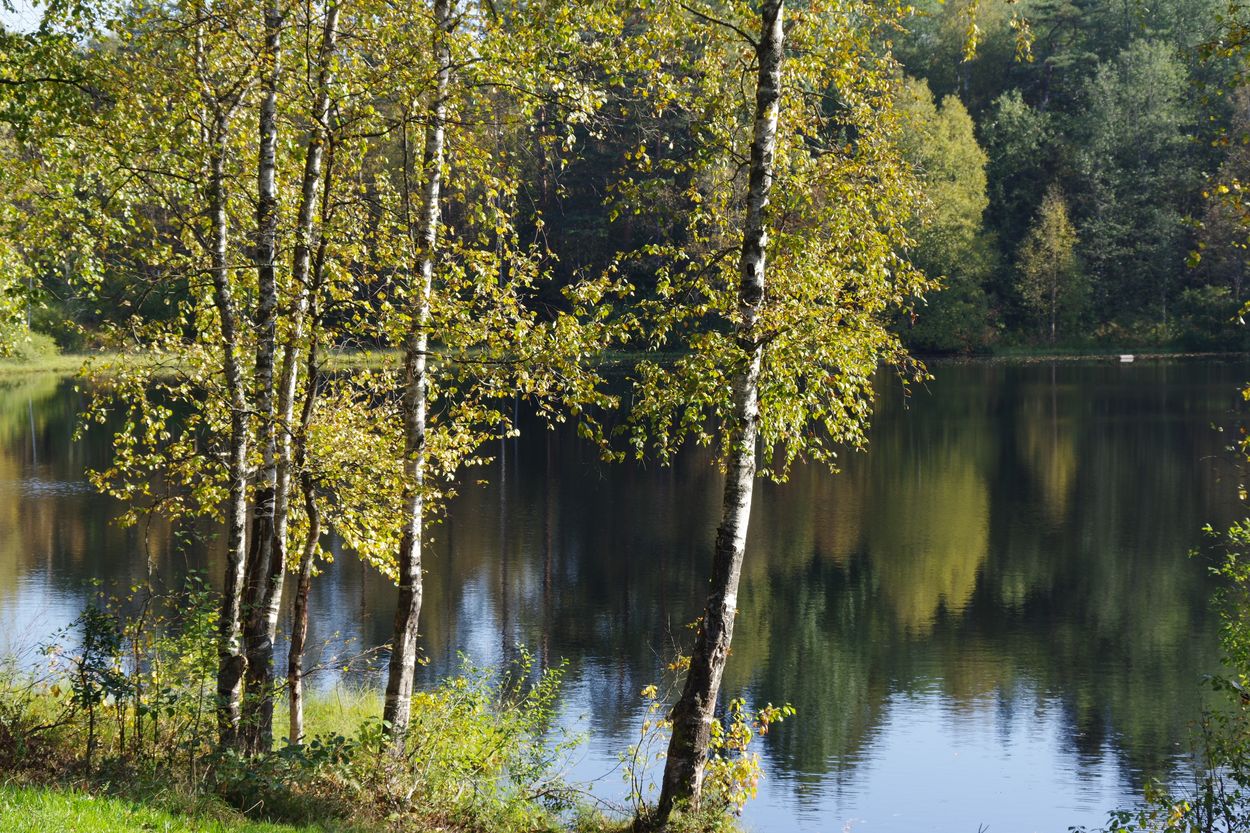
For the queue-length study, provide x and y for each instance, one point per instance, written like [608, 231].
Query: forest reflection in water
[993, 610]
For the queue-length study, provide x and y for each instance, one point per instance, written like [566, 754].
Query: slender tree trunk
[258, 638]
[403, 663]
[299, 619]
[299, 624]
[231, 661]
[301, 262]
[270, 583]
[693, 714]
[1054, 306]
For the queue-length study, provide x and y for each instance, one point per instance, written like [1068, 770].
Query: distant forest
[1089, 193]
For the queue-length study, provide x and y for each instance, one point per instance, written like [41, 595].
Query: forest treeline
[1090, 192]
[1081, 165]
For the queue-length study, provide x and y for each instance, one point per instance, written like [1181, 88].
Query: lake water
[990, 619]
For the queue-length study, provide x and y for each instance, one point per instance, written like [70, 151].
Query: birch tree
[780, 299]
[278, 366]
[461, 297]
[162, 166]
[264, 569]
[1049, 278]
[165, 155]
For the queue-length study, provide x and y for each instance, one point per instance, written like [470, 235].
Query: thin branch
[718, 22]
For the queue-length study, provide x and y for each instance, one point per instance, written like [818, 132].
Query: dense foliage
[1133, 113]
[236, 190]
[1130, 112]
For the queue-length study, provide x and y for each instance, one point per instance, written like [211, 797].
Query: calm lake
[990, 619]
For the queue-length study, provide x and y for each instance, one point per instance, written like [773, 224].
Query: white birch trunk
[299, 618]
[269, 601]
[403, 662]
[693, 714]
[258, 702]
[231, 660]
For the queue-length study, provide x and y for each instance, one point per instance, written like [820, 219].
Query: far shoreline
[74, 363]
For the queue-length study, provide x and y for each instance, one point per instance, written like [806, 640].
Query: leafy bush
[481, 755]
[30, 719]
[730, 778]
[28, 346]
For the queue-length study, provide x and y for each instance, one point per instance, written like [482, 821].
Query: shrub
[730, 778]
[481, 755]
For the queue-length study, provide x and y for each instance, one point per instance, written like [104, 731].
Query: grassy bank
[72, 363]
[56, 363]
[35, 810]
[480, 761]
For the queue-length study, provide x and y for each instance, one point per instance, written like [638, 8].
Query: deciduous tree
[780, 294]
[1049, 274]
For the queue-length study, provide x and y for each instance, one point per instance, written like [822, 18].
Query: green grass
[50, 364]
[69, 364]
[29, 810]
[66, 364]
[341, 710]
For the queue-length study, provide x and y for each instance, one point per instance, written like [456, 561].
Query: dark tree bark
[397, 709]
[693, 714]
[299, 616]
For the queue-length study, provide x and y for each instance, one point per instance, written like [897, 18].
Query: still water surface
[990, 619]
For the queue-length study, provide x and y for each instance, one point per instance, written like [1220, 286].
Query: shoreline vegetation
[339, 781]
[26, 809]
[108, 726]
[483, 756]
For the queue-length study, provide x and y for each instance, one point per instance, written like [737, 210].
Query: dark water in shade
[989, 619]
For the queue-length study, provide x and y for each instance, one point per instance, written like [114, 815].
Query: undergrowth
[122, 702]
[121, 705]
